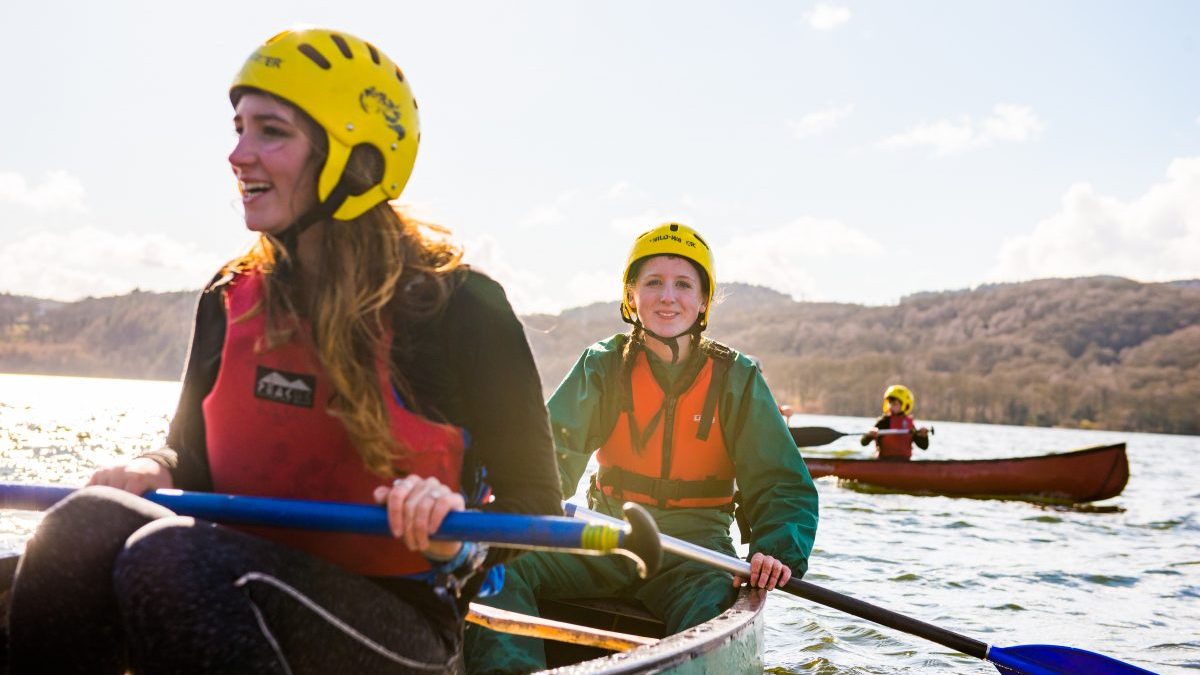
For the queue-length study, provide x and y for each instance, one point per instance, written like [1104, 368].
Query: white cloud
[543, 215]
[1154, 237]
[426, 212]
[1014, 123]
[821, 121]
[783, 258]
[618, 189]
[1007, 124]
[89, 261]
[59, 191]
[524, 288]
[824, 16]
[585, 288]
[632, 226]
[550, 214]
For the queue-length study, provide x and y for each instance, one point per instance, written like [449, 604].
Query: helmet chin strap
[672, 343]
[289, 239]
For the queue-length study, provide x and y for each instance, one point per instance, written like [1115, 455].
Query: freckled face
[668, 295]
[273, 163]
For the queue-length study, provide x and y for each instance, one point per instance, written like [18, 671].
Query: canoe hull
[730, 643]
[1086, 475]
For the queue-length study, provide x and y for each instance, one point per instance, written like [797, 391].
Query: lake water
[1121, 577]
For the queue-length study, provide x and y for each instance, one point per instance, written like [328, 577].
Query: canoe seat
[608, 614]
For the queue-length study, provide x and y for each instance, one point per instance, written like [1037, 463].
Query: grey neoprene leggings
[111, 582]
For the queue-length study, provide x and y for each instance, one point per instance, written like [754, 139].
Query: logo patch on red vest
[281, 386]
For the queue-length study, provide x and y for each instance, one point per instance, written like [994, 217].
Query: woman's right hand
[138, 476]
[870, 435]
[416, 507]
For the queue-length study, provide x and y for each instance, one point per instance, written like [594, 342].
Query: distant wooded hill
[1098, 352]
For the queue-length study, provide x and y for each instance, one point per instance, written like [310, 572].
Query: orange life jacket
[269, 433]
[896, 446]
[673, 454]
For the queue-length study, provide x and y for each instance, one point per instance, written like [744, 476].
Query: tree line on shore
[1097, 352]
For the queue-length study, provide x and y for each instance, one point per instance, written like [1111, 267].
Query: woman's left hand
[765, 572]
[416, 507]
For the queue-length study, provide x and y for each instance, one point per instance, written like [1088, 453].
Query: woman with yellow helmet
[347, 356]
[898, 422]
[676, 420]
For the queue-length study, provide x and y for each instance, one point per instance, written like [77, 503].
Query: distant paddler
[895, 431]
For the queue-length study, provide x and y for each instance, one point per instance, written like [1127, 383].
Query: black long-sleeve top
[470, 365]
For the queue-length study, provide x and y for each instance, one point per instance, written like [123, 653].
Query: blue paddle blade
[1056, 660]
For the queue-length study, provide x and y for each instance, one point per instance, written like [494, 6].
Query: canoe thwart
[504, 621]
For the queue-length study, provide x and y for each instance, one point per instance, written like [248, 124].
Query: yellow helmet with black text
[902, 394]
[354, 92]
[677, 240]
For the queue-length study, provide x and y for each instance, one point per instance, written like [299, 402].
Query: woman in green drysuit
[677, 419]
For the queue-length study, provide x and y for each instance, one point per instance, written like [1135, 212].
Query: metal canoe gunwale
[736, 626]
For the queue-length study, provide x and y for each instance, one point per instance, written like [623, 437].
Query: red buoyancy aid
[682, 462]
[896, 446]
[270, 434]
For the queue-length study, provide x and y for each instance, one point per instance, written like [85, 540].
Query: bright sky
[848, 151]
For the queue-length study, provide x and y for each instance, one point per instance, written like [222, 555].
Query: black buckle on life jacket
[665, 490]
[661, 490]
[612, 480]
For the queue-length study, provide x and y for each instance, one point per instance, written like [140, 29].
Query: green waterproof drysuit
[777, 498]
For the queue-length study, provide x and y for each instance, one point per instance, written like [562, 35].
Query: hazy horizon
[719, 297]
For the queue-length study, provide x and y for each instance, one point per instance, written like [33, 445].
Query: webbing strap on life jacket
[637, 440]
[663, 489]
[684, 380]
[715, 387]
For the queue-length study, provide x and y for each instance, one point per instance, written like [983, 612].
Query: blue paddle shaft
[494, 528]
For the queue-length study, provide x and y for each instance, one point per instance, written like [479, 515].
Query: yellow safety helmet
[902, 394]
[671, 239]
[357, 95]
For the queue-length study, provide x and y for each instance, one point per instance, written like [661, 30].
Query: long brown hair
[375, 270]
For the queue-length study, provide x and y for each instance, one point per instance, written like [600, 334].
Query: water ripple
[1044, 519]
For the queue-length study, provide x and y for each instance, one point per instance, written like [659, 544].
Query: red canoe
[1085, 475]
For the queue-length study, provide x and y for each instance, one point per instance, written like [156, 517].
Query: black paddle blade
[807, 437]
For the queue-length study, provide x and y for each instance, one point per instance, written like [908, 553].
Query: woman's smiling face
[668, 295]
[273, 163]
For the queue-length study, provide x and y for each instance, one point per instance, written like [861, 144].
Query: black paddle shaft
[810, 437]
[887, 617]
